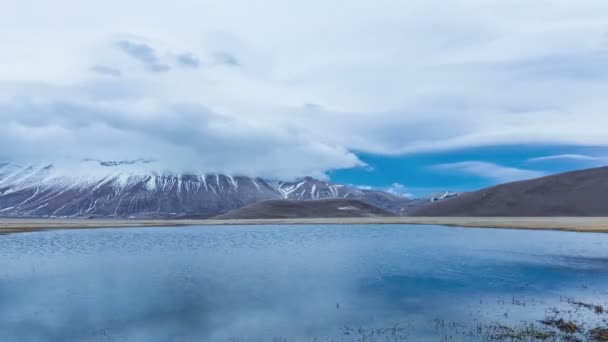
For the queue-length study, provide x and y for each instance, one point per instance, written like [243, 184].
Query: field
[578, 224]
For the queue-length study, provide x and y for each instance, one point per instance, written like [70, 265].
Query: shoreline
[573, 224]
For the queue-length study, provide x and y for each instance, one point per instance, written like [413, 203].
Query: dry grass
[562, 325]
[598, 309]
[579, 224]
[598, 334]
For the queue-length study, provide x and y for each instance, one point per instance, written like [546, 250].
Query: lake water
[290, 283]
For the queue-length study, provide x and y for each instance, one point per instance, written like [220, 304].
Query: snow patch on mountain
[133, 189]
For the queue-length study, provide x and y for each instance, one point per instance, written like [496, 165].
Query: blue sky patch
[468, 169]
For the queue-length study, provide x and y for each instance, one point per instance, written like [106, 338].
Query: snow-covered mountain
[125, 189]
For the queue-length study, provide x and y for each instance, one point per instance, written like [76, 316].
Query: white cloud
[384, 76]
[491, 171]
[399, 189]
[574, 157]
[396, 189]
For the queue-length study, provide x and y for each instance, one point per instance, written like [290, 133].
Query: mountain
[577, 193]
[329, 207]
[127, 189]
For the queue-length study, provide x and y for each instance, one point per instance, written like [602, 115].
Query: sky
[408, 96]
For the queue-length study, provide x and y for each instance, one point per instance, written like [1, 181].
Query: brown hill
[577, 193]
[322, 208]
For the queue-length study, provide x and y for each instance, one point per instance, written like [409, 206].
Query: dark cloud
[143, 53]
[113, 163]
[313, 106]
[106, 70]
[226, 58]
[188, 60]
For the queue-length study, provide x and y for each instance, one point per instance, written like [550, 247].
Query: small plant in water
[598, 334]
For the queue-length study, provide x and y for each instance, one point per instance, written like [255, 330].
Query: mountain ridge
[117, 190]
[574, 193]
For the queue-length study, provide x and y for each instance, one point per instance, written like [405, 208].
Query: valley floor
[578, 224]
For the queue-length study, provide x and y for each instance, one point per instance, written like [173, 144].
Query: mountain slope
[122, 189]
[323, 208]
[578, 193]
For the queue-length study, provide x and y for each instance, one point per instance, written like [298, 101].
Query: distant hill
[323, 208]
[577, 193]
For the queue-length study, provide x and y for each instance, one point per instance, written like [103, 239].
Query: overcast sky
[286, 88]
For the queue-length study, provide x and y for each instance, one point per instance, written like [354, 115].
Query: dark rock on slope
[323, 208]
[577, 193]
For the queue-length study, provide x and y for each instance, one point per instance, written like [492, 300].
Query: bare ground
[578, 224]
[581, 193]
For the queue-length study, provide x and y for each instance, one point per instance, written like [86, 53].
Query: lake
[294, 283]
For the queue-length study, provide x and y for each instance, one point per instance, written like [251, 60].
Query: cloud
[106, 70]
[188, 60]
[143, 53]
[387, 77]
[573, 157]
[178, 137]
[399, 189]
[226, 59]
[491, 171]
[396, 189]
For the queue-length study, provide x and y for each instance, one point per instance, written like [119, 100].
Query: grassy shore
[578, 224]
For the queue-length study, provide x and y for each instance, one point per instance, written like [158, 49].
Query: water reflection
[298, 282]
